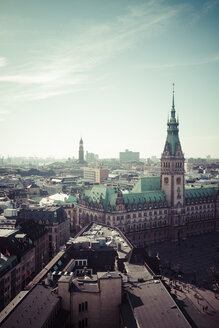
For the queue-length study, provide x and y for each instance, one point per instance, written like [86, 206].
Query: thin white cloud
[43, 78]
[72, 64]
[175, 65]
[3, 62]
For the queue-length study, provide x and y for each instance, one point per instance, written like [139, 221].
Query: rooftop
[201, 192]
[33, 310]
[147, 184]
[147, 190]
[101, 236]
[7, 232]
[148, 302]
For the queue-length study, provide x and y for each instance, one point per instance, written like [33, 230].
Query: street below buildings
[189, 269]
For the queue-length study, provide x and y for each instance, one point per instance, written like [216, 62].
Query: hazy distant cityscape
[72, 229]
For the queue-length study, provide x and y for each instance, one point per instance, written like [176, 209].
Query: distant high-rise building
[81, 152]
[128, 156]
[95, 175]
[91, 157]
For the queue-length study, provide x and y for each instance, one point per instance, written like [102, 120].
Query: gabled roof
[148, 196]
[109, 196]
[201, 192]
[71, 199]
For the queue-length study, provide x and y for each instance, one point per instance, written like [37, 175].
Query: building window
[82, 307]
[83, 323]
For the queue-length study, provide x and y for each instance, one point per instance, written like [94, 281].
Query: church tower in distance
[81, 152]
[172, 163]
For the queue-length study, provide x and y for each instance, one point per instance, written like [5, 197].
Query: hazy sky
[103, 70]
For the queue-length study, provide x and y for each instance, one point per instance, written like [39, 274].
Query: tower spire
[173, 112]
[173, 105]
[172, 129]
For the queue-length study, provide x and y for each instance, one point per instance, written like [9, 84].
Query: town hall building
[158, 208]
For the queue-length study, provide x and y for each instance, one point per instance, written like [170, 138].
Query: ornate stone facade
[158, 208]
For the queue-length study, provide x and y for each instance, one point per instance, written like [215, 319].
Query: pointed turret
[172, 141]
[172, 162]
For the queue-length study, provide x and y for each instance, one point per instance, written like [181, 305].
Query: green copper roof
[148, 196]
[147, 184]
[110, 195]
[201, 192]
[71, 199]
[36, 198]
[172, 131]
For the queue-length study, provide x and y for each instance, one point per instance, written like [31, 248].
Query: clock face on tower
[178, 180]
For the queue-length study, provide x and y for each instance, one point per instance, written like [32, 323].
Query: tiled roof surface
[149, 196]
[201, 192]
[110, 195]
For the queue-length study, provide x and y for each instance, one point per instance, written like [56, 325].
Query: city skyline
[104, 72]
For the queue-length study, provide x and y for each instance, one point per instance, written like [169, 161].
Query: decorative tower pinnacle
[173, 106]
[172, 162]
[172, 129]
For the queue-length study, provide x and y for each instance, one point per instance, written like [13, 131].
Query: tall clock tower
[172, 163]
[81, 152]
